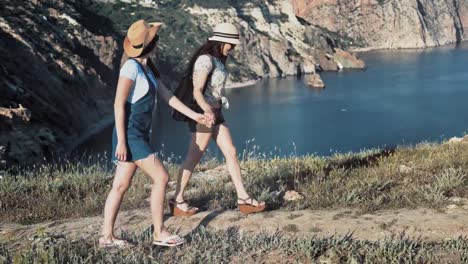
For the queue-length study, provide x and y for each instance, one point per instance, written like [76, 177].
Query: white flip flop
[165, 242]
[118, 243]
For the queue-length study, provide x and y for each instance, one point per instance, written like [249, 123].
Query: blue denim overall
[138, 118]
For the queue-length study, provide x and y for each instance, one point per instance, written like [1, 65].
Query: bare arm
[123, 89]
[199, 80]
[175, 103]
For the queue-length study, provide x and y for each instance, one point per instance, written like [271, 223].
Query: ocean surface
[402, 97]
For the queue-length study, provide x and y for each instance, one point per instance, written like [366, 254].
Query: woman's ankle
[242, 196]
[158, 232]
[179, 197]
[158, 229]
[105, 236]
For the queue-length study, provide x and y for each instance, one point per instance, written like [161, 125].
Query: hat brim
[152, 32]
[225, 40]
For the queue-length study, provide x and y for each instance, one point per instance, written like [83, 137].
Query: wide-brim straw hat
[139, 35]
[226, 33]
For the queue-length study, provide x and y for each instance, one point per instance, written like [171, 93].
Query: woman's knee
[155, 169]
[161, 179]
[121, 187]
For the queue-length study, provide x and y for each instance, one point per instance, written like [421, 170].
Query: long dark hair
[148, 49]
[210, 47]
[151, 46]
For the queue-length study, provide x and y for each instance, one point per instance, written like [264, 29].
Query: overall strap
[144, 72]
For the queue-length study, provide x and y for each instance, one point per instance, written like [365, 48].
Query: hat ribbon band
[138, 46]
[226, 35]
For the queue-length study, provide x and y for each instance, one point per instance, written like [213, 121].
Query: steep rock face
[60, 59]
[389, 24]
[59, 66]
[274, 42]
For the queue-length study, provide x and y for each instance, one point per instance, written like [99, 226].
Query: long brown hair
[210, 47]
[153, 67]
[150, 48]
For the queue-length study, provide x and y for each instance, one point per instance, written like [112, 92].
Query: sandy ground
[427, 224]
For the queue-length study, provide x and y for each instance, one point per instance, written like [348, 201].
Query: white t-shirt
[134, 72]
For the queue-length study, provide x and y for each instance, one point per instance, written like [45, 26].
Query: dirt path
[425, 223]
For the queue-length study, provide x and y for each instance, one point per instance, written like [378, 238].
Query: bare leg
[122, 179]
[153, 167]
[198, 144]
[223, 138]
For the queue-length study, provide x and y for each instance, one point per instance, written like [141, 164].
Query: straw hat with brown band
[139, 36]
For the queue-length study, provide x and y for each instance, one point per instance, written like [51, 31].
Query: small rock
[455, 140]
[315, 81]
[229, 186]
[275, 194]
[355, 260]
[452, 206]
[171, 184]
[148, 186]
[456, 199]
[19, 114]
[292, 196]
[405, 169]
[217, 174]
[345, 59]
[465, 207]
[329, 257]
[340, 66]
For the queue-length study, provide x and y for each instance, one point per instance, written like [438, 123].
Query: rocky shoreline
[62, 67]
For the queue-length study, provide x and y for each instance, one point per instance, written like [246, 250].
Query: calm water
[403, 97]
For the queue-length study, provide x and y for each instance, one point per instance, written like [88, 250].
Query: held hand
[209, 121]
[201, 119]
[121, 152]
[211, 116]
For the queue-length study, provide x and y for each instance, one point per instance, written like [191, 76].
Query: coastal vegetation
[426, 175]
[232, 246]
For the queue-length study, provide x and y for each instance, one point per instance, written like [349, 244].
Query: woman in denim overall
[134, 103]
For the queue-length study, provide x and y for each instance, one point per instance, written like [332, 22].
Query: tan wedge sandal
[176, 211]
[248, 208]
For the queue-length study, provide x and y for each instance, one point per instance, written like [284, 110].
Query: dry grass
[205, 246]
[368, 180]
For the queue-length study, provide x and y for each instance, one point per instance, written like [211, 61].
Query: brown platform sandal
[248, 208]
[176, 211]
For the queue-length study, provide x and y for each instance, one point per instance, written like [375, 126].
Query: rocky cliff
[58, 62]
[60, 59]
[389, 24]
[274, 41]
